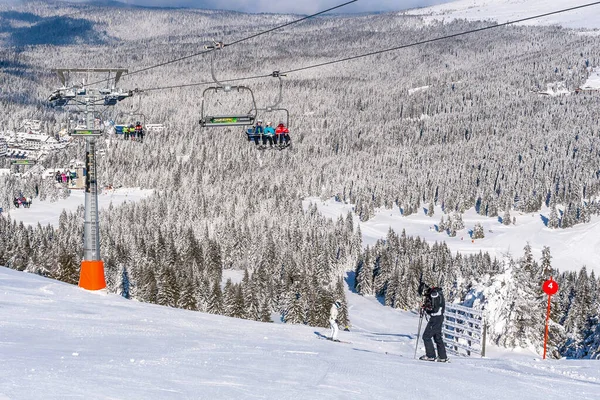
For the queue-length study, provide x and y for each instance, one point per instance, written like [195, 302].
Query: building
[33, 141]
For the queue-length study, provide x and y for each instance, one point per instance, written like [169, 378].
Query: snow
[593, 81]
[511, 10]
[47, 212]
[418, 89]
[556, 89]
[59, 341]
[570, 248]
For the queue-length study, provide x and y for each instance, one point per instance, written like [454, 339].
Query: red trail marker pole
[549, 287]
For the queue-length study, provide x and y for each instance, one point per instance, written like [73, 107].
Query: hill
[510, 10]
[58, 341]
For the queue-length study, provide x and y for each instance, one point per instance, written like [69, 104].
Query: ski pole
[418, 331]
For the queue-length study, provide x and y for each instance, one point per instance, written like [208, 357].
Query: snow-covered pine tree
[478, 232]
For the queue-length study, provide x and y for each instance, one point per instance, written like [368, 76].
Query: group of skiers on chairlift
[433, 304]
[278, 136]
[132, 132]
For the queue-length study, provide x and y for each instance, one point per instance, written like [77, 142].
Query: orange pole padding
[91, 276]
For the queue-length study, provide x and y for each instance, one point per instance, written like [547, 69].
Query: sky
[58, 341]
[284, 6]
[292, 6]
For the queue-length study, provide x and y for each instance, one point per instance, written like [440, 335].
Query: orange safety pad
[91, 276]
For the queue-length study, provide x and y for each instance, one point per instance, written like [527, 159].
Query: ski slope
[571, 248]
[510, 10]
[58, 341]
[48, 212]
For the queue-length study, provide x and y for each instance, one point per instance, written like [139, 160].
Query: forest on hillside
[460, 123]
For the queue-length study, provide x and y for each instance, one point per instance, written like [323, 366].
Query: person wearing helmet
[333, 323]
[282, 135]
[434, 305]
[269, 135]
[132, 131]
[257, 132]
[138, 130]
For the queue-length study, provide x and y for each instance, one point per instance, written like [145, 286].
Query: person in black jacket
[434, 305]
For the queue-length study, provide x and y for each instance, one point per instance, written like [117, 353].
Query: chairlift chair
[207, 120]
[275, 108]
[222, 120]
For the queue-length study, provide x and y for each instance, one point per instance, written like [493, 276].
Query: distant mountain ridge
[510, 10]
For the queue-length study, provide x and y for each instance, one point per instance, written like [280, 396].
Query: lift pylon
[86, 99]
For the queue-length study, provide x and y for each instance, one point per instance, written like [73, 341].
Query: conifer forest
[460, 123]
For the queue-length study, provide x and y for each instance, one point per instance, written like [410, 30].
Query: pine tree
[430, 210]
[364, 275]
[215, 304]
[553, 220]
[546, 263]
[478, 232]
[506, 217]
[187, 298]
[67, 269]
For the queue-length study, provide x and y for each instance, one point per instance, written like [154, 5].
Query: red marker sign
[550, 287]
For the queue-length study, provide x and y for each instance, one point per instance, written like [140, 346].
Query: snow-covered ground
[593, 81]
[570, 248]
[58, 341]
[511, 10]
[47, 212]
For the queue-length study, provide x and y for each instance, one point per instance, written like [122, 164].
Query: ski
[323, 337]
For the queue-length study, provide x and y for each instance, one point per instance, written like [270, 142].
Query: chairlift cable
[442, 37]
[232, 43]
[385, 50]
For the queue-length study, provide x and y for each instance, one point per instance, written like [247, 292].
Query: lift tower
[88, 100]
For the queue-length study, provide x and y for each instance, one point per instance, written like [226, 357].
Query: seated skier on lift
[138, 130]
[282, 134]
[269, 135]
[258, 131]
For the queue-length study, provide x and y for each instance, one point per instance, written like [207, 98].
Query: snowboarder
[434, 305]
[333, 314]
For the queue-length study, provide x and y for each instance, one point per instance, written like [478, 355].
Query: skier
[282, 134]
[434, 305]
[333, 314]
[258, 131]
[269, 135]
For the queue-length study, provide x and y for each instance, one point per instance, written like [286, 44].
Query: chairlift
[274, 108]
[221, 120]
[80, 131]
[61, 97]
[134, 115]
[23, 161]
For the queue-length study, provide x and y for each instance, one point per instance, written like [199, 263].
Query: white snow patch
[503, 11]
[570, 248]
[418, 89]
[47, 212]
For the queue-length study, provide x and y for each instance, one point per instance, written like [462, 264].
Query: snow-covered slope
[510, 10]
[571, 248]
[58, 341]
[48, 212]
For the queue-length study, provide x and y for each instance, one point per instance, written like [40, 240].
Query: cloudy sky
[293, 6]
[285, 6]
